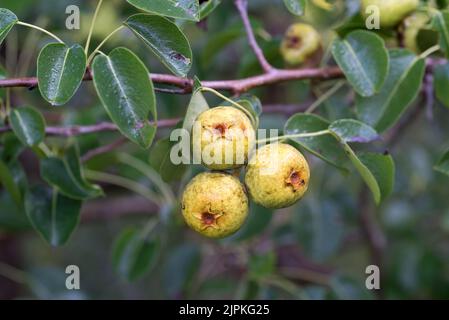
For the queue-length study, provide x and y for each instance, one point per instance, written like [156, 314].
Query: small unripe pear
[277, 176]
[224, 137]
[391, 12]
[215, 204]
[300, 43]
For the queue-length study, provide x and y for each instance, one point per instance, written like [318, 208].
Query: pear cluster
[216, 203]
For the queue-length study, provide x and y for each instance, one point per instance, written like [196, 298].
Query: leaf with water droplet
[165, 39]
[123, 84]
[60, 71]
[364, 60]
[182, 9]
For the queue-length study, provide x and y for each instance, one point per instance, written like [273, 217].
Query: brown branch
[242, 6]
[235, 86]
[76, 130]
[99, 127]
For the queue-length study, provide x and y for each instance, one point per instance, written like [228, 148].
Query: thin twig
[76, 130]
[99, 127]
[242, 6]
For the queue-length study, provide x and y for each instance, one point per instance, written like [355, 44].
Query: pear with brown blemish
[215, 204]
[277, 176]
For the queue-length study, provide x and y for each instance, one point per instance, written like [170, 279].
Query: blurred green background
[318, 249]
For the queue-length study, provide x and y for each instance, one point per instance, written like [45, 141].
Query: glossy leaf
[53, 215]
[207, 7]
[441, 83]
[7, 21]
[297, 7]
[443, 164]
[441, 23]
[324, 147]
[60, 71]
[182, 9]
[400, 89]
[29, 125]
[126, 91]
[133, 255]
[350, 130]
[364, 60]
[66, 174]
[165, 40]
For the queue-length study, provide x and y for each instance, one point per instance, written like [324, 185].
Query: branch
[100, 127]
[242, 8]
[235, 86]
[77, 130]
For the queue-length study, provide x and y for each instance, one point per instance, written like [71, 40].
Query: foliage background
[317, 249]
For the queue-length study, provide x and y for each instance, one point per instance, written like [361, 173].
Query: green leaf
[60, 71]
[53, 215]
[324, 147]
[297, 7]
[400, 89]
[9, 183]
[165, 40]
[441, 83]
[182, 9]
[133, 255]
[197, 105]
[126, 91]
[161, 162]
[350, 130]
[29, 125]
[383, 169]
[364, 60]
[441, 23]
[207, 7]
[7, 22]
[443, 164]
[376, 170]
[66, 175]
